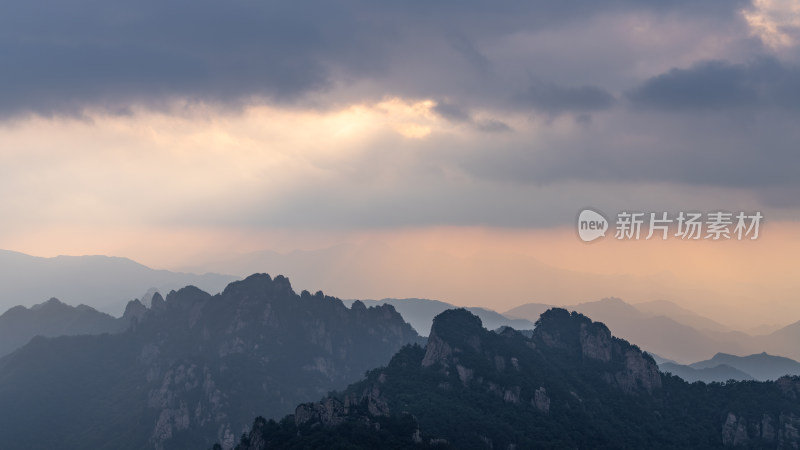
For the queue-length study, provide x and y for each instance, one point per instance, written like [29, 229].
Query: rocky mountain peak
[577, 334]
[185, 297]
[457, 336]
[452, 331]
[157, 303]
[260, 285]
[456, 323]
[52, 303]
[134, 310]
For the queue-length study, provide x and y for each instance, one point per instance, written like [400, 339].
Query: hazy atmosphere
[441, 151]
[413, 225]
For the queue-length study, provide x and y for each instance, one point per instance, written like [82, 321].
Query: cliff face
[776, 431]
[457, 337]
[764, 427]
[194, 369]
[622, 364]
[569, 385]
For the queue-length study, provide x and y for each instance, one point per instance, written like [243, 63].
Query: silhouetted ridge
[157, 303]
[53, 318]
[456, 324]
[134, 312]
[50, 304]
[558, 327]
[259, 284]
[185, 297]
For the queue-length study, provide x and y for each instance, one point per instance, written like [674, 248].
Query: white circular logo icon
[591, 225]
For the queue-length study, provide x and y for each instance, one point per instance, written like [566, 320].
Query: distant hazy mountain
[193, 368]
[102, 282]
[680, 314]
[763, 329]
[531, 311]
[52, 318]
[570, 385]
[719, 373]
[420, 313]
[674, 332]
[648, 309]
[761, 366]
[723, 367]
[659, 360]
[655, 333]
[782, 342]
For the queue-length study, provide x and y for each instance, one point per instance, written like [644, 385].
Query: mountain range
[53, 318]
[420, 313]
[570, 385]
[376, 268]
[673, 332]
[102, 282]
[719, 373]
[192, 368]
[107, 283]
[723, 367]
[660, 327]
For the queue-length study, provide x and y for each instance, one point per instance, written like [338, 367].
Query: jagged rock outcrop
[640, 372]
[596, 342]
[327, 412]
[752, 429]
[782, 432]
[575, 332]
[541, 400]
[438, 351]
[134, 312]
[157, 303]
[333, 411]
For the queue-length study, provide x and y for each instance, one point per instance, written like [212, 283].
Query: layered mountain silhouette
[570, 385]
[674, 332]
[52, 318]
[723, 367]
[781, 342]
[192, 369]
[761, 367]
[102, 282]
[420, 312]
[719, 373]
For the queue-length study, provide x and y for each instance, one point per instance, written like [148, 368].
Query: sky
[418, 149]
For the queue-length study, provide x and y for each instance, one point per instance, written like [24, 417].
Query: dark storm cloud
[721, 85]
[754, 152]
[60, 56]
[452, 112]
[457, 114]
[715, 123]
[554, 99]
[492, 126]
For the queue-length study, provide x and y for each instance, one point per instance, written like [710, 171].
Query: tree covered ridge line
[569, 385]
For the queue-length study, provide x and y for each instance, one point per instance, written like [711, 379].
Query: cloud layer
[348, 114]
[61, 56]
